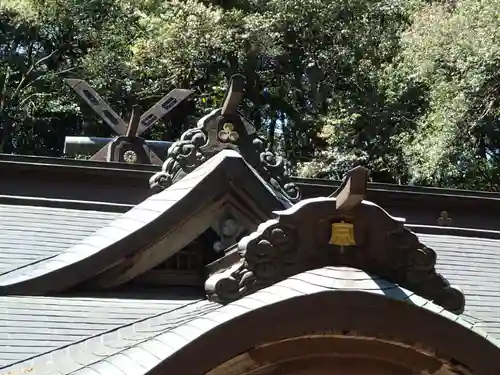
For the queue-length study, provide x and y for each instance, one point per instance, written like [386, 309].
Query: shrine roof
[138, 346]
[127, 185]
[77, 334]
[31, 233]
[73, 232]
[473, 265]
[38, 326]
[137, 229]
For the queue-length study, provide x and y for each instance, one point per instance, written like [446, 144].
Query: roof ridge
[455, 231]
[126, 235]
[411, 189]
[65, 203]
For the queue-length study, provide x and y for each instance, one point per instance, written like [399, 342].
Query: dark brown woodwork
[184, 268]
[429, 337]
[421, 205]
[225, 128]
[171, 242]
[333, 366]
[173, 218]
[353, 189]
[336, 354]
[128, 146]
[119, 183]
[320, 232]
[158, 278]
[78, 180]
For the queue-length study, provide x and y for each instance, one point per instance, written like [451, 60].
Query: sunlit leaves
[456, 54]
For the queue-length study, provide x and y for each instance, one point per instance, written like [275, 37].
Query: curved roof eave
[339, 300]
[332, 298]
[140, 227]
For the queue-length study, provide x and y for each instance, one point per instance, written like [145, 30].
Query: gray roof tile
[117, 229]
[31, 326]
[473, 265]
[51, 231]
[65, 269]
[138, 348]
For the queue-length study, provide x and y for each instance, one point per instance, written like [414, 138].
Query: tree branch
[30, 70]
[29, 53]
[31, 96]
[3, 93]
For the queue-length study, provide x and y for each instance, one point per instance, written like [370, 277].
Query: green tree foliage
[455, 53]
[408, 88]
[42, 41]
[437, 119]
[304, 59]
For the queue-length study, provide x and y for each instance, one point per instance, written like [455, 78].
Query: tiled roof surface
[51, 335]
[473, 264]
[30, 234]
[32, 326]
[135, 219]
[138, 348]
[101, 244]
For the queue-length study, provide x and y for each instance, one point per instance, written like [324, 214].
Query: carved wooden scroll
[341, 231]
[225, 128]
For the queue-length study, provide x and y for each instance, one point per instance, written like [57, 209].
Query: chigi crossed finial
[128, 146]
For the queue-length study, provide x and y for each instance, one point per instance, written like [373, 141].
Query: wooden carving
[225, 128]
[321, 232]
[444, 219]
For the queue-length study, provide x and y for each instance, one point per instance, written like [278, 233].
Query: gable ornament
[342, 234]
[225, 128]
[317, 232]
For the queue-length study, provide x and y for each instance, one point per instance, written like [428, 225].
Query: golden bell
[342, 234]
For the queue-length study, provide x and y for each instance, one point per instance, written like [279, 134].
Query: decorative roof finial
[225, 128]
[341, 231]
[128, 146]
[353, 188]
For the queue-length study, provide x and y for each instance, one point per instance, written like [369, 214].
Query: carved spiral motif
[422, 258]
[292, 191]
[195, 146]
[270, 160]
[452, 299]
[261, 259]
[265, 261]
[415, 269]
[274, 167]
[285, 242]
[258, 144]
[195, 136]
[273, 253]
[234, 286]
[183, 156]
[268, 255]
[228, 287]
